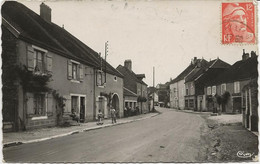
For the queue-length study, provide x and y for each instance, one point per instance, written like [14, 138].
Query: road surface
[169, 137]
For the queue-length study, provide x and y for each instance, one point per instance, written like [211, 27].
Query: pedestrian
[100, 116]
[125, 112]
[113, 115]
[75, 116]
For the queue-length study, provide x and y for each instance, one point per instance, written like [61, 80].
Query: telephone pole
[106, 53]
[154, 90]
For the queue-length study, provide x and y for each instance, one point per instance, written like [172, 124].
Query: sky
[165, 34]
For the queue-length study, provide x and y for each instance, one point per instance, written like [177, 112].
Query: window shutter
[30, 103]
[103, 78]
[67, 104]
[81, 73]
[49, 104]
[30, 58]
[69, 70]
[49, 62]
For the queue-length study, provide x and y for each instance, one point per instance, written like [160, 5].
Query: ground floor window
[39, 105]
[186, 103]
[74, 103]
[191, 103]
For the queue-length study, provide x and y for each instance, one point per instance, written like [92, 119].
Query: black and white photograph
[129, 81]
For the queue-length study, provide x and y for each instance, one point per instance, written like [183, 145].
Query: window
[139, 91]
[191, 103]
[214, 90]
[223, 88]
[75, 71]
[39, 65]
[191, 89]
[209, 91]
[39, 105]
[236, 87]
[175, 92]
[115, 78]
[101, 79]
[187, 91]
[38, 60]
[74, 103]
[186, 103]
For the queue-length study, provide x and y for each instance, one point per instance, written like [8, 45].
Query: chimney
[253, 54]
[45, 12]
[245, 56]
[128, 64]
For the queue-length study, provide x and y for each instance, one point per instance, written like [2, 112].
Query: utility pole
[153, 91]
[106, 53]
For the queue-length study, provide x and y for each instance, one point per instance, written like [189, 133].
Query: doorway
[82, 109]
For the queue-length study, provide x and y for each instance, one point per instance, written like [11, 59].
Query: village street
[168, 137]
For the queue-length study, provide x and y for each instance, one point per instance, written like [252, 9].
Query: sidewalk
[190, 111]
[16, 138]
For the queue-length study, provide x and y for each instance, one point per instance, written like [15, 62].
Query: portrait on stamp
[238, 23]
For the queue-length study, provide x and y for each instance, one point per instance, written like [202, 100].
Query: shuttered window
[38, 60]
[236, 87]
[214, 90]
[223, 88]
[39, 105]
[75, 71]
[209, 91]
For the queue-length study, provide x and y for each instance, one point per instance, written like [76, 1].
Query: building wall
[10, 87]
[174, 98]
[177, 100]
[112, 86]
[62, 85]
[231, 105]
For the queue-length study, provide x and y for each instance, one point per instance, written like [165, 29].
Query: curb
[16, 143]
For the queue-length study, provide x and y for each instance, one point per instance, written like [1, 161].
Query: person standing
[113, 115]
[100, 116]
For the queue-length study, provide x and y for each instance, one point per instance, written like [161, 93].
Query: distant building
[215, 68]
[135, 89]
[178, 89]
[230, 83]
[163, 91]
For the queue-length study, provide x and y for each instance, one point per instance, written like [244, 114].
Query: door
[82, 109]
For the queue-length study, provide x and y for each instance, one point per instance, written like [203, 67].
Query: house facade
[229, 84]
[192, 89]
[135, 89]
[177, 88]
[216, 67]
[48, 73]
[250, 105]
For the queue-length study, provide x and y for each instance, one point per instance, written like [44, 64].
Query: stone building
[47, 72]
[135, 89]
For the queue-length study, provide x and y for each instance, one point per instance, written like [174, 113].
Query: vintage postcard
[129, 81]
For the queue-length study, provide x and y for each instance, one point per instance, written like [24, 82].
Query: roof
[33, 29]
[127, 92]
[184, 73]
[130, 78]
[241, 70]
[187, 71]
[198, 70]
[216, 67]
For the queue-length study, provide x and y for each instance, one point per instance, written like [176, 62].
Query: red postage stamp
[238, 23]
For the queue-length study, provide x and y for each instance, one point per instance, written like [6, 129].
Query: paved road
[169, 137]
